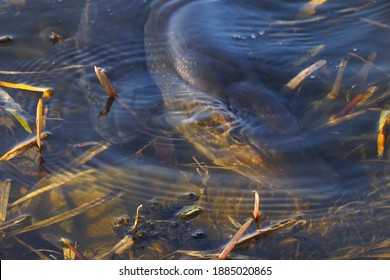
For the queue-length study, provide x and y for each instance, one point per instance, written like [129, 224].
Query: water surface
[142, 155]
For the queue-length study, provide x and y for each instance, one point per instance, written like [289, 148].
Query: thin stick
[279, 225]
[229, 247]
[73, 248]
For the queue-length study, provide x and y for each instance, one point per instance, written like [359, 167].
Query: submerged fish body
[215, 100]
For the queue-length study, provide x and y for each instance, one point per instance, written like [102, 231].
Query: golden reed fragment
[309, 8]
[334, 92]
[106, 83]
[47, 92]
[256, 212]
[39, 123]
[384, 124]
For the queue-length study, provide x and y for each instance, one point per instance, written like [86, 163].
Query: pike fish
[218, 102]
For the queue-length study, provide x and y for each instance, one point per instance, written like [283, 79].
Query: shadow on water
[98, 168]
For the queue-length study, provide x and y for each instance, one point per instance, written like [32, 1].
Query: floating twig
[291, 85]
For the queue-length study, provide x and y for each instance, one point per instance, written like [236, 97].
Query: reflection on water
[90, 159]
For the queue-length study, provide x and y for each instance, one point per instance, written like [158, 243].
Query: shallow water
[146, 158]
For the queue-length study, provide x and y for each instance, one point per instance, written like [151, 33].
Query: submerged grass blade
[369, 63]
[20, 148]
[297, 22]
[63, 181]
[21, 120]
[377, 23]
[5, 188]
[309, 55]
[91, 153]
[14, 109]
[73, 212]
[332, 95]
[363, 73]
[65, 68]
